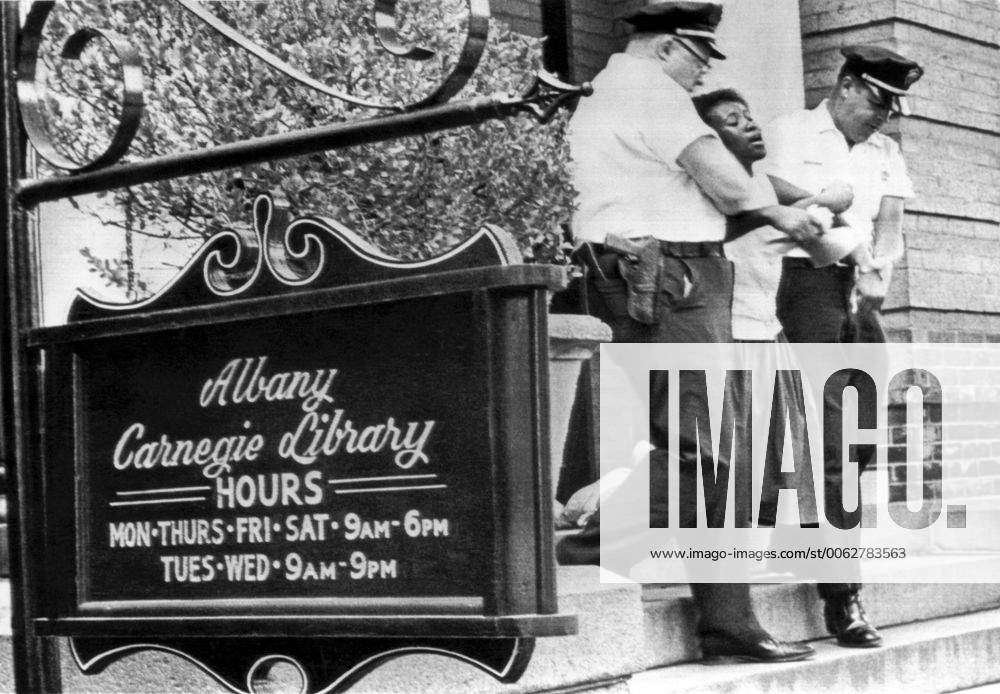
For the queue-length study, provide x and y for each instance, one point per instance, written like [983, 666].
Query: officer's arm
[873, 284]
[788, 193]
[888, 245]
[726, 182]
[717, 173]
[836, 197]
[793, 221]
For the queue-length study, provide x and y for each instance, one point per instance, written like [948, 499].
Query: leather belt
[680, 249]
[794, 262]
[692, 249]
[804, 263]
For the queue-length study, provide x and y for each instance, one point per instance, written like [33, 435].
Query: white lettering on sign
[274, 489]
[247, 567]
[130, 534]
[244, 381]
[320, 434]
[191, 531]
[188, 569]
[303, 427]
[215, 456]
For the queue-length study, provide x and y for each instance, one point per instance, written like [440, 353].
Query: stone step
[991, 688]
[942, 655]
[794, 611]
[625, 628]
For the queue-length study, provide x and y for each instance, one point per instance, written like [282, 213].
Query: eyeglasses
[702, 59]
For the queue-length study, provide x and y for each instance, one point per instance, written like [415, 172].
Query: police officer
[652, 176]
[839, 140]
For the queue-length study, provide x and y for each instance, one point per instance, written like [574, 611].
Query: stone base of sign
[573, 339]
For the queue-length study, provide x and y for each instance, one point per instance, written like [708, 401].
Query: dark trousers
[814, 306]
[695, 301]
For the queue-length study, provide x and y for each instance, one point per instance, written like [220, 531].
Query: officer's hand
[798, 224]
[871, 287]
[877, 266]
[836, 197]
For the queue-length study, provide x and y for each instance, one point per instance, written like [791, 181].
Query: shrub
[413, 196]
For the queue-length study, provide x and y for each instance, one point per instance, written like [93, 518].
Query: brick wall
[960, 431]
[901, 435]
[594, 33]
[948, 287]
[523, 16]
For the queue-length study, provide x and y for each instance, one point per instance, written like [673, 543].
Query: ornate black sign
[362, 460]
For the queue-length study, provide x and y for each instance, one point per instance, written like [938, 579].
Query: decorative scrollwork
[229, 277]
[326, 665]
[30, 93]
[30, 96]
[547, 95]
[387, 34]
[255, 49]
[468, 59]
[282, 255]
[293, 263]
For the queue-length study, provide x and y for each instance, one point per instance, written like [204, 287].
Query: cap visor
[901, 105]
[716, 53]
[887, 98]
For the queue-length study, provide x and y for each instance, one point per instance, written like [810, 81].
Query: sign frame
[509, 307]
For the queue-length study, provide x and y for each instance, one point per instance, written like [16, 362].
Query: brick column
[522, 16]
[948, 287]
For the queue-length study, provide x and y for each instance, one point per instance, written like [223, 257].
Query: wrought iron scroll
[542, 101]
[388, 33]
[388, 36]
[429, 114]
[29, 93]
[547, 95]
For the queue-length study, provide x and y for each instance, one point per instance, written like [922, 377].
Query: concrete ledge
[571, 327]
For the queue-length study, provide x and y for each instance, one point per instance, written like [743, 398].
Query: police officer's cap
[696, 20]
[888, 74]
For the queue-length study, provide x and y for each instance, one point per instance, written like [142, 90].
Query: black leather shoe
[846, 619]
[760, 649]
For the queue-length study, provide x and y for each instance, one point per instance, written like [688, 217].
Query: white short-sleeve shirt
[806, 149]
[756, 260]
[624, 143]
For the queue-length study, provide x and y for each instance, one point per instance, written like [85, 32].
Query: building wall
[764, 48]
[523, 16]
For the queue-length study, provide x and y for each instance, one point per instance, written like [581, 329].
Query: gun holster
[641, 265]
[638, 263]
